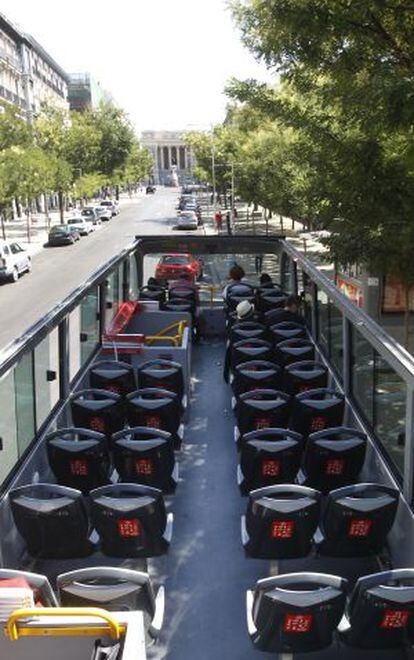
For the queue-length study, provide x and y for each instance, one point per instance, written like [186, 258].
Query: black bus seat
[145, 456]
[269, 299]
[260, 409]
[246, 330]
[316, 410]
[179, 305]
[131, 520]
[157, 293]
[295, 613]
[114, 376]
[183, 292]
[255, 374]
[236, 292]
[294, 350]
[380, 613]
[250, 349]
[79, 458]
[304, 375]
[357, 520]
[98, 410]
[280, 521]
[164, 374]
[286, 330]
[268, 457]
[52, 520]
[114, 589]
[156, 408]
[333, 458]
[43, 594]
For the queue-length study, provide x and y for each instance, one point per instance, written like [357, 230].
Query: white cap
[243, 309]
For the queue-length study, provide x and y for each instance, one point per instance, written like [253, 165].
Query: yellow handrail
[175, 339]
[13, 631]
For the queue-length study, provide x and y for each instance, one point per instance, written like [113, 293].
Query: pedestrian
[235, 213]
[219, 219]
[258, 263]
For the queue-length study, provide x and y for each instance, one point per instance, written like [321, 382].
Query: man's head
[265, 279]
[236, 273]
[244, 310]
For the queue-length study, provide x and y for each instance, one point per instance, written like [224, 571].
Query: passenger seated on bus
[288, 313]
[265, 280]
[236, 274]
[244, 312]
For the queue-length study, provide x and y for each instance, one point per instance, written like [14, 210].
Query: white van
[14, 261]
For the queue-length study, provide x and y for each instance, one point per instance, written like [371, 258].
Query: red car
[170, 266]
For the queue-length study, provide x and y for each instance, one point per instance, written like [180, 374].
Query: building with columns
[173, 161]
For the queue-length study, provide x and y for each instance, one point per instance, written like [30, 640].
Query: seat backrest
[178, 305]
[262, 408]
[334, 457]
[130, 520]
[316, 410]
[250, 349]
[357, 519]
[140, 458]
[164, 374]
[112, 375]
[296, 613]
[270, 299]
[115, 589]
[269, 456]
[246, 330]
[155, 408]
[286, 330]
[52, 520]
[381, 611]
[79, 458]
[255, 374]
[39, 584]
[294, 350]
[305, 375]
[98, 410]
[182, 292]
[152, 293]
[281, 521]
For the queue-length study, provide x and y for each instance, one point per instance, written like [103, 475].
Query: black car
[63, 235]
[150, 190]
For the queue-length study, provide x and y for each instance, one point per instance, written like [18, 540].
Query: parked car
[91, 215]
[170, 266]
[187, 220]
[104, 212]
[150, 190]
[14, 260]
[63, 235]
[83, 226]
[110, 204]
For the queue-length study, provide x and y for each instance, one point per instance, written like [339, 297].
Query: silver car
[110, 204]
[187, 220]
[14, 260]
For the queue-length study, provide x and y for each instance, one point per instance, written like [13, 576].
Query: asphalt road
[57, 271]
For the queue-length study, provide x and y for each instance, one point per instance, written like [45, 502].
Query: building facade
[29, 76]
[86, 92]
[173, 161]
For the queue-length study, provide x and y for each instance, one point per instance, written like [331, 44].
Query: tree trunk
[281, 223]
[61, 207]
[28, 227]
[406, 316]
[3, 226]
[117, 192]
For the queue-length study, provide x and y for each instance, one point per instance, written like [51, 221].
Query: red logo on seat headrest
[359, 527]
[113, 387]
[262, 423]
[317, 424]
[282, 529]
[153, 421]
[97, 424]
[334, 466]
[129, 527]
[144, 466]
[270, 467]
[394, 619]
[297, 623]
[79, 468]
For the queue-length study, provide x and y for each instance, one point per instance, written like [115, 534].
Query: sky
[165, 62]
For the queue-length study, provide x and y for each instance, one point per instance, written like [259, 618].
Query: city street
[57, 271]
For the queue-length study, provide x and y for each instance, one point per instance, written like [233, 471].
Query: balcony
[7, 95]
[10, 60]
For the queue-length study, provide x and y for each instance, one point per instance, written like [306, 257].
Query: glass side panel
[47, 391]
[24, 402]
[390, 409]
[133, 278]
[89, 331]
[112, 295]
[287, 280]
[74, 342]
[362, 374]
[120, 282]
[335, 337]
[305, 287]
[8, 425]
[323, 321]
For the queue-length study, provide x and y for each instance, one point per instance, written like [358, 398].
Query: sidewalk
[16, 230]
